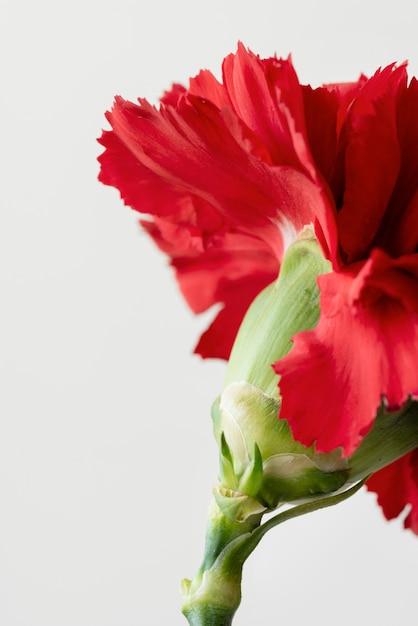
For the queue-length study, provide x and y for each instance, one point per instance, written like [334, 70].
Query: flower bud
[261, 464]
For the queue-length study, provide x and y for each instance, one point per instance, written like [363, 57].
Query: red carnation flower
[230, 172]
[226, 173]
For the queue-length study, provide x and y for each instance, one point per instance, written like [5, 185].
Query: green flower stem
[393, 435]
[214, 595]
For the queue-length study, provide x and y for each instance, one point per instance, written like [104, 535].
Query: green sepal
[295, 478]
[393, 435]
[228, 476]
[252, 478]
[261, 461]
[236, 505]
[286, 307]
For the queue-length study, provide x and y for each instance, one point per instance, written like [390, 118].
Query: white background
[106, 451]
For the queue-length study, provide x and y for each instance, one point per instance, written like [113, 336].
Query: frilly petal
[396, 487]
[372, 160]
[364, 347]
[208, 171]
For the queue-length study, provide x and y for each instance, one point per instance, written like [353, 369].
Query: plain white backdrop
[106, 452]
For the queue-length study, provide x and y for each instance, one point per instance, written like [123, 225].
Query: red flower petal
[236, 296]
[173, 95]
[372, 161]
[267, 97]
[321, 110]
[364, 346]
[224, 268]
[399, 229]
[397, 487]
[141, 188]
[206, 86]
[325, 112]
[247, 192]
[206, 176]
[404, 229]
